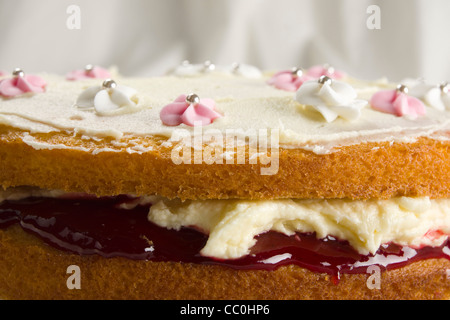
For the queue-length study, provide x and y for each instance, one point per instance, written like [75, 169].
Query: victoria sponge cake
[223, 182]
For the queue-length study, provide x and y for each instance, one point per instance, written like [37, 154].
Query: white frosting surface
[246, 103]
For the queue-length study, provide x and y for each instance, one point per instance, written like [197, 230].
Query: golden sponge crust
[367, 170]
[30, 269]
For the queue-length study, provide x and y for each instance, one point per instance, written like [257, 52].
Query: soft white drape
[147, 37]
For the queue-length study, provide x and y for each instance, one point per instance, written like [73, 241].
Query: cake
[223, 182]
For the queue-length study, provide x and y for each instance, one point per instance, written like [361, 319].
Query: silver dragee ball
[17, 72]
[88, 68]
[235, 67]
[109, 84]
[444, 87]
[296, 72]
[192, 98]
[208, 66]
[402, 88]
[330, 69]
[325, 80]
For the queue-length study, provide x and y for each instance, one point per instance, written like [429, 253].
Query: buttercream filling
[232, 225]
[118, 226]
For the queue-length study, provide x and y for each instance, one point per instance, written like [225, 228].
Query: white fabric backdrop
[147, 37]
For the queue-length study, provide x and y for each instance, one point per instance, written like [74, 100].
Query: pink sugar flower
[21, 83]
[89, 72]
[324, 70]
[397, 102]
[190, 110]
[288, 80]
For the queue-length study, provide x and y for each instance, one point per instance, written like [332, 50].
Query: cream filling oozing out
[232, 225]
[366, 224]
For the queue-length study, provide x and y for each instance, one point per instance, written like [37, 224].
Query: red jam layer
[99, 226]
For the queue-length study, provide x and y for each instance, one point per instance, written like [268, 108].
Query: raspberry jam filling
[100, 226]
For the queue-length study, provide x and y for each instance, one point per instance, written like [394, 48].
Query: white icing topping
[187, 69]
[430, 94]
[245, 70]
[246, 104]
[332, 100]
[109, 101]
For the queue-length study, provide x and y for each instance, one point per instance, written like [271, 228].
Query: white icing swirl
[437, 99]
[108, 101]
[245, 70]
[332, 99]
[432, 95]
[186, 69]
